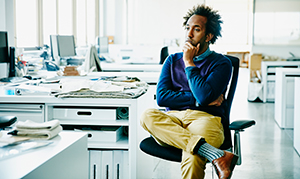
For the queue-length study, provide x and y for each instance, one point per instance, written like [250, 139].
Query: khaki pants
[183, 129]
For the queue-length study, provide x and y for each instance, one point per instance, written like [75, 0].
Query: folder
[107, 164]
[118, 164]
[95, 164]
[125, 164]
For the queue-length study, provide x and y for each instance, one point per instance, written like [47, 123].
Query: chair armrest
[241, 124]
[6, 121]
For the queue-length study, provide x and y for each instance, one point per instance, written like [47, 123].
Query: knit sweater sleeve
[166, 96]
[208, 88]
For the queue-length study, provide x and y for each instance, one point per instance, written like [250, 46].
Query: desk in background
[297, 116]
[284, 96]
[268, 69]
[78, 112]
[149, 77]
[66, 157]
[125, 67]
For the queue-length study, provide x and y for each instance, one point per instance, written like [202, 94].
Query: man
[192, 86]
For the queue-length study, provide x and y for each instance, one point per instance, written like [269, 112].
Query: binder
[118, 164]
[125, 164]
[95, 164]
[107, 165]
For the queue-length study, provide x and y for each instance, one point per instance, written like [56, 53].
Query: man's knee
[148, 117]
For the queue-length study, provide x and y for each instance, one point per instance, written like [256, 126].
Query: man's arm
[218, 101]
[208, 89]
[166, 95]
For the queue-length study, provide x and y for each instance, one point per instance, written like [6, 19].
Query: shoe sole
[233, 163]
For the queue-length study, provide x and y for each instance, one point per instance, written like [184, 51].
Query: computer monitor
[102, 43]
[66, 45]
[7, 54]
[62, 46]
[4, 57]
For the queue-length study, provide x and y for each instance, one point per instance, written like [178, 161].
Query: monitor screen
[103, 45]
[4, 57]
[66, 45]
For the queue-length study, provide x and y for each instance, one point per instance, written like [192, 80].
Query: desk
[149, 77]
[268, 76]
[284, 96]
[119, 67]
[297, 116]
[139, 163]
[66, 157]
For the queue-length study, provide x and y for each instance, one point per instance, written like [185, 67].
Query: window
[65, 20]
[237, 24]
[26, 23]
[49, 20]
[63, 17]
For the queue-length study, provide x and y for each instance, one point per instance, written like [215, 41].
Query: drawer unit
[90, 113]
[23, 112]
[105, 134]
[99, 133]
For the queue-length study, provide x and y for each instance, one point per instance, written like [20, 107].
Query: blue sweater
[182, 88]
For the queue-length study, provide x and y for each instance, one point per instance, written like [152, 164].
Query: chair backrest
[234, 78]
[164, 53]
[229, 98]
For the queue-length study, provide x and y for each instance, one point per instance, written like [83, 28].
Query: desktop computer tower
[12, 71]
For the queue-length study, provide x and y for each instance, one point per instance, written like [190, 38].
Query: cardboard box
[255, 62]
[255, 67]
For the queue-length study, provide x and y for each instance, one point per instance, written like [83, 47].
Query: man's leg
[211, 129]
[192, 166]
[168, 129]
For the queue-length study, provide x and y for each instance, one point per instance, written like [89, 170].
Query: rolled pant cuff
[192, 143]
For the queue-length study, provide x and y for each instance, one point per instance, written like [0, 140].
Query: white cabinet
[297, 116]
[268, 70]
[112, 125]
[284, 96]
[33, 112]
[65, 158]
[92, 114]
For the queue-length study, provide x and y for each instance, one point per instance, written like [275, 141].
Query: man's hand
[189, 52]
[218, 101]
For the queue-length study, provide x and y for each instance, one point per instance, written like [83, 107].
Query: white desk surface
[131, 67]
[149, 77]
[24, 163]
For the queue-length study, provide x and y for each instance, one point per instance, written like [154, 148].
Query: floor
[267, 150]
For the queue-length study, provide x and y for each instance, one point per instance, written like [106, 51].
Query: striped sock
[210, 152]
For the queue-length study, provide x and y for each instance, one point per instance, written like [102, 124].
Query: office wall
[7, 19]
[2, 15]
[150, 22]
[277, 27]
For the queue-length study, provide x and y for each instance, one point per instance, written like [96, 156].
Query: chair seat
[151, 147]
[241, 124]
[6, 121]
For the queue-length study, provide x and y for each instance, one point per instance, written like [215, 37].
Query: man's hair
[213, 24]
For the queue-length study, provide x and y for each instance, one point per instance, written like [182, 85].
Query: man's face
[195, 30]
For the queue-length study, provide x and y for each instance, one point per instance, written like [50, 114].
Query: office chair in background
[151, 147]
[6, 121]
[164, 53]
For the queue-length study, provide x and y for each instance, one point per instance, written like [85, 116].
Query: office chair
[164, 53]
[151, 147]
[6, 121]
